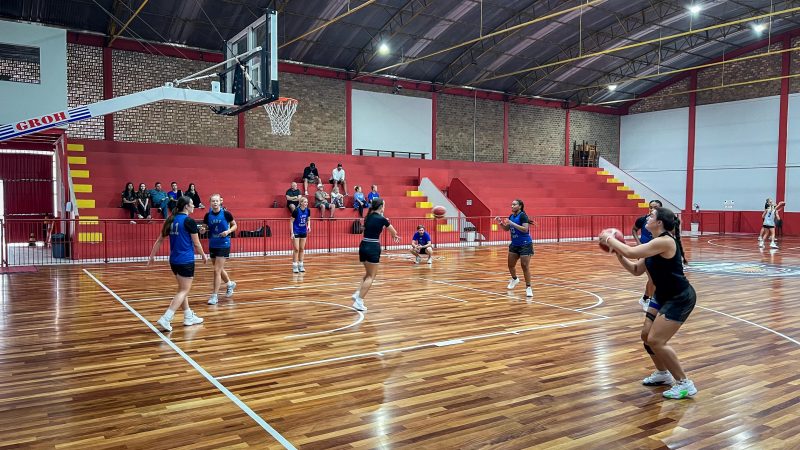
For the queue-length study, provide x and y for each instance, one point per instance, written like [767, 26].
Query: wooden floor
[445, 358]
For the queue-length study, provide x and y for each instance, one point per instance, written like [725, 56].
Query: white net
[280, 114]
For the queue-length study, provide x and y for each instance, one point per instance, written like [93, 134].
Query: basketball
[613, 231]
[439, 211]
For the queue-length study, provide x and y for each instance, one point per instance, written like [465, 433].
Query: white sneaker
[528, 291]
[681, 389]
[417, 260]
[430, 260]
[658, 378]
[295, 269]
[191, 318]
[513, 283]
[229, 290]
[773, 245]
[164, 324]
[213, 299]
[760, 244]
[301, 267]
[358, 303]
[644, 303]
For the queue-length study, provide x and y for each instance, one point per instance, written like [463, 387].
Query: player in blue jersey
[220, 225]
[421, 245]
[646, 236]
[299, 226]
[521, 247]
[183, 242]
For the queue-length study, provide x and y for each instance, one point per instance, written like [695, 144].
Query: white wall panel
[793, 189]
[748, 188]
[793, 145]
[669, 184]
[392, 122]
[655, 140]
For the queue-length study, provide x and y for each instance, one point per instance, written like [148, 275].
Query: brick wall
[464, 124]
[19, 71]
[794, 67]
[659, 103]
[166, 122]
[736, 72]
[594, 127]
[84, 85]
[535, 135]
[319, 125]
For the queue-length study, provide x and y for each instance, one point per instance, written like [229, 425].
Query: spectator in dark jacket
[129, 200]
[310, 175]
[192, 192]
[143, 202]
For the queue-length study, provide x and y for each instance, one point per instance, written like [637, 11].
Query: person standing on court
[639, 227]
[676, 298]
[521, 247]
[299, 226]
[369, 251]
[183, 242]
[220, 225]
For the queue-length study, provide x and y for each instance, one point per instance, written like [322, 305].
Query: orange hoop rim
[286, 100]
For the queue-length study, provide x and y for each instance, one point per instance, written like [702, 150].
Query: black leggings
[131, 209]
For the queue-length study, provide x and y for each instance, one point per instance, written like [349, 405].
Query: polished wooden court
[445, 358]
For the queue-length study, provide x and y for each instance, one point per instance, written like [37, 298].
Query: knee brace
[648, 349]
[650, 316]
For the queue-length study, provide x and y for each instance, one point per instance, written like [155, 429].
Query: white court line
[274, 433]
[751, 249]
[452, 298]
[446, 342]
[753, 324]
[281, 288]
[506, 296]
[358, 321]
[596, 304]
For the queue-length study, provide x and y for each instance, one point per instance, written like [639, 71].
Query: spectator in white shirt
[337, 178]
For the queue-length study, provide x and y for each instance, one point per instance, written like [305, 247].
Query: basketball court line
[280, 288]
[246, 409]
[751, 249]
[443, 343]
[453, 298]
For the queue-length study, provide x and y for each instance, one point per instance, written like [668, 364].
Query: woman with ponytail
[661, 258]
[369, 251]
[183, 242]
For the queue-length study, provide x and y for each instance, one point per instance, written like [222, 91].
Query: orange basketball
[439, 211]
[614, 232]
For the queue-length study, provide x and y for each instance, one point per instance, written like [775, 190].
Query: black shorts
[422, 250]
[769, 227]
[369, 252]
[678, 308]
[219, 252]
[300, 236]
[183, 270]
[290, 203]
[521, 250]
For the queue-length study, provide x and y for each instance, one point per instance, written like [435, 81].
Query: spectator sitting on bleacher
[337, 178]
[160, 199]
[192, 193]
[129, 200]
[321, 201]
[310, 174]
[359, 201]
[174, 195]
[293, 197]
[143, 202]
[336, 198]
[373, 194]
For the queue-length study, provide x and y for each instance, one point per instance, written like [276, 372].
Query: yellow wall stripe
[79, 173]
[74, 147]
[84, 188]
[92, 236]
[76, 160]
[85, 203]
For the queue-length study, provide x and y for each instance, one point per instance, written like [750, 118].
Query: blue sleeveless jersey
[518, 237]
[300, 224]
[424, 239]
[217, 223]
[181, 249]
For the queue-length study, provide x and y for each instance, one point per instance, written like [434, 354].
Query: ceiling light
[612, 87]
[759, 28]
[695, 9]
[383, 49]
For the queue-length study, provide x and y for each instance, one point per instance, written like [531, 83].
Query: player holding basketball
[661, 259]
[220, 224]
[299, 226]
[768, 226]
[421, 245]
[369, 251]
[521, 247]
[183, 242]
[646, 237]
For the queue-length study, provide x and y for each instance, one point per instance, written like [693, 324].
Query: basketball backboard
[252, 70]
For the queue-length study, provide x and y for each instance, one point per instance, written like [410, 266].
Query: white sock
[230, 283]
[169, 314]
[294, 264]
[188, 312]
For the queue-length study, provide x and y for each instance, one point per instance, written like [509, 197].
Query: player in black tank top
[662, 259]
[369, 251]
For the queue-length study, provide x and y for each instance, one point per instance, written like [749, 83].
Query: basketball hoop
[280, 114]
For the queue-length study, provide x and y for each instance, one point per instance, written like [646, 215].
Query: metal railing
[390, 153]
[42, 242]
